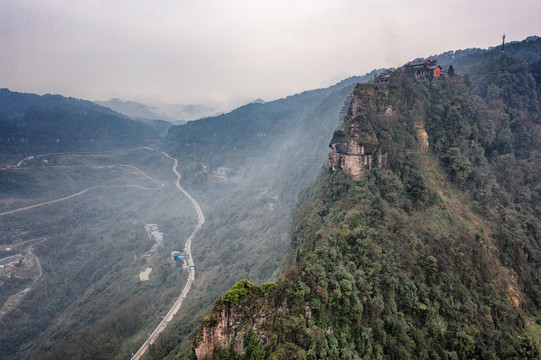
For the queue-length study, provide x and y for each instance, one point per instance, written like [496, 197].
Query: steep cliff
[398, 260]
[242, 312]
[355, 146]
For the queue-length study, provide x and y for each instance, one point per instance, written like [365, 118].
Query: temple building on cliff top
[420, 69]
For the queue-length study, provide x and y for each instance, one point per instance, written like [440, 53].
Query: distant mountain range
[32, 123]
[175, 113]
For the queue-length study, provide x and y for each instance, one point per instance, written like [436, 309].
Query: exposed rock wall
[355, 146]
[422, 140]
[421, 134]
[229, 324]
[220, 331]
[351, 157]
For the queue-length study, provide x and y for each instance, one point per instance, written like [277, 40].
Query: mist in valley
[82, 214]
[91, 204]
[82, 251]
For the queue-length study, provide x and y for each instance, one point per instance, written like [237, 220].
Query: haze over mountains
[53, 123]
[175, 113]
[294, 341]
[273, 208]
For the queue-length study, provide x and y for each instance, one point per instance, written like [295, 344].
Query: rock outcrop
[363, 139]
[231, 321]
[355, 146]
[220, 331]
[228, 326]
[352, 157]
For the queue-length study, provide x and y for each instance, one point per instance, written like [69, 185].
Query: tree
[458, 164]
[254, 349]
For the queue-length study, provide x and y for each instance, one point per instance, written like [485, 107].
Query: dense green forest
[432, 255]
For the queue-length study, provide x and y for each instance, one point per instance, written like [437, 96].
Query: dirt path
[90, 188]
[16, 298]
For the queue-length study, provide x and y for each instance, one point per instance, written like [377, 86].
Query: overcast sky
[230, 52]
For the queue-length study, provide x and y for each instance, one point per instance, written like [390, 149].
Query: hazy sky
[233, 51]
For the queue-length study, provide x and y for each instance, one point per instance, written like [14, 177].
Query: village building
[223, 172]
[151, 227]
[176, 255]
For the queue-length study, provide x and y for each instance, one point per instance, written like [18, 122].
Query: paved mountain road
[191, 267]
[187, 248]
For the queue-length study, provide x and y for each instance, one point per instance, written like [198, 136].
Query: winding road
[16, 298]
[187, 248]
[90, 188]
[191, 267]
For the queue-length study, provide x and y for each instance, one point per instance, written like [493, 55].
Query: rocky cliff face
[351, 157]
[227, 328]
[358, 144]
[231, 322]
[355, 146]
[223, 329]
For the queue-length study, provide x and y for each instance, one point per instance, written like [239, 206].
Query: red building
[423, 69]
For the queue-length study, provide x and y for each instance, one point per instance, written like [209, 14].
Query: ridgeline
[420, 240]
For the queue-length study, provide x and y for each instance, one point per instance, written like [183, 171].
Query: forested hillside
[256, 129]
[34, 124]
[271, 152]
[431, 254]
[464, 61]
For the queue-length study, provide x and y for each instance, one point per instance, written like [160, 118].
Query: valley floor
[75, 228]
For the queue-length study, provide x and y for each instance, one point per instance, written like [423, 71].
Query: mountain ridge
[175, 113]
[54, 123]
[477, 185]
[400, 261]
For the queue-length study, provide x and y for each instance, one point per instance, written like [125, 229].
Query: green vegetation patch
[238, 291]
